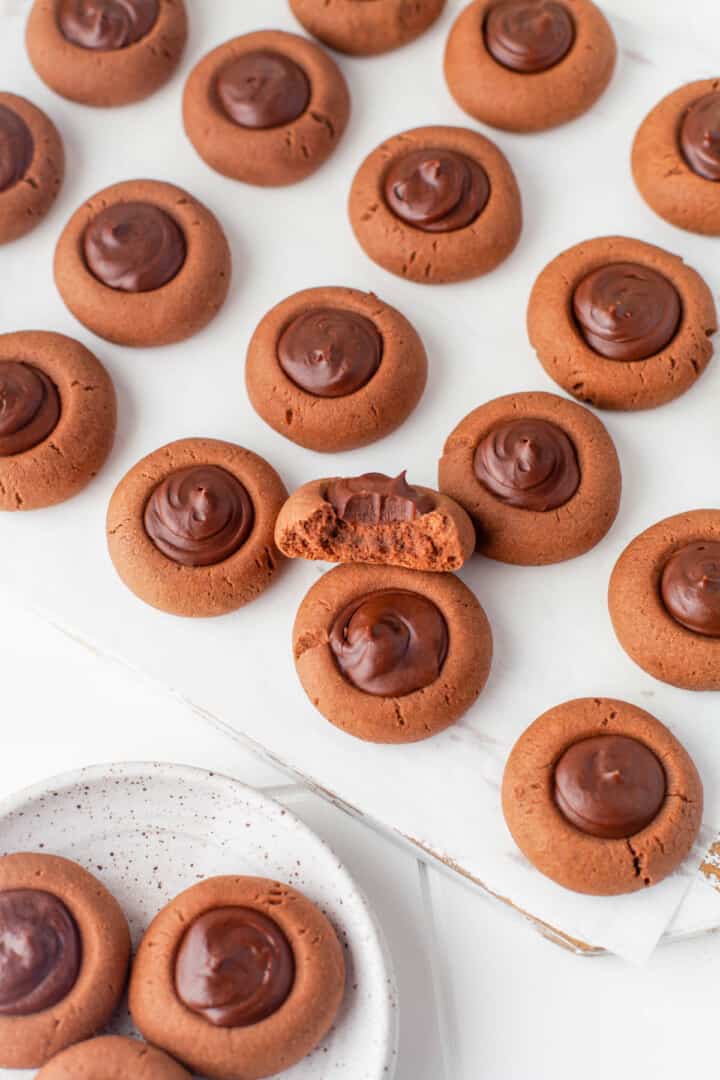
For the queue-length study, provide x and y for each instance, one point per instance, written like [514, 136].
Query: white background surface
[551, 628]
[482, 995]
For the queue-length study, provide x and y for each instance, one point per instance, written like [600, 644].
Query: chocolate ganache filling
[199, 516]
[16, 148]
[40, 951]
[626, 311]
[700, 136]
[134, 247]
[436, 190]
[376, 499]
[106, 25]
[330, 352]
[390, 643]
[531, 464]
[529, 36]
[234, 967]
[263, 89]
[690, 587]
[29, 407]
[609, 786]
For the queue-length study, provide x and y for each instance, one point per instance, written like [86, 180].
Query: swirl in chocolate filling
[40, 951]
[234, 967]
[529, 463]
[134, 247]
[330, 352]
[390, 643]
[199, 516]
[529, 36]
[29, 407]
[626, 311]
[106, 25]
[700, 136]
[16, 148]
[263, 89]
[436, 190]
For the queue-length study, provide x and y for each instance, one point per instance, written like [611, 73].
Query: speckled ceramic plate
[148, 831]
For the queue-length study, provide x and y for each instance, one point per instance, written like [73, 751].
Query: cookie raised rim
[267, 156]
[521, 101]
[589, 864]
[439, 257]
[27, 202]
[619, 384]
[662, 175]
[73, 453]
[281, 1039]
[175, 311]
[109, 77]
[195, 591]
[114, 1057]
[342, 423]
[644, 627]
[530, 537]
[367, 29]
[414, 716]
[28, 1042]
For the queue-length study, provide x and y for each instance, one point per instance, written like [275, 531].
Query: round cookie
[375, 519]
[627, 309]
[333, 369]
[529, 65]
[285, 965]
[114, 1058]
[57, 418]
[391, 655]
[539, 476]
[276, 136]
[32, 166]
[436, 204]
[645, 627]
[106, 52]
[369, 28]
[166, 280]
[676, 158]
[191, 527]
[67, 982]
[635, 800]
